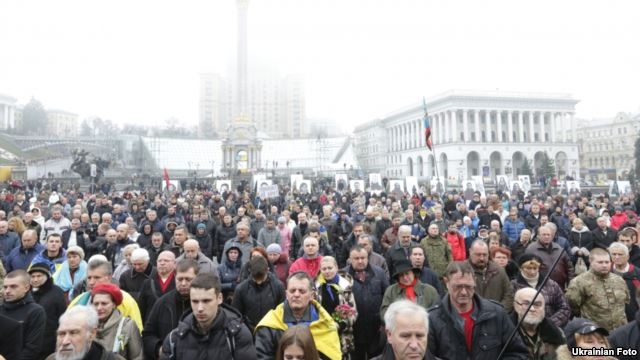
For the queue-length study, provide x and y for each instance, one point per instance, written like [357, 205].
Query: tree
[548, 166]
[34, 118]
[525, 168]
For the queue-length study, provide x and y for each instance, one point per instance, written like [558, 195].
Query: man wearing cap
[409, 287]
[141, 269]
[586, 335]
[20, 306]
[598, 294]
[538, 333]
[258, 294]
[192, 251]
[21, 257]
[76, 337]
[52, 300]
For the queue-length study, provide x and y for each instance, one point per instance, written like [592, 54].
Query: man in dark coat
[212, 330]
[168, 309]
[158, 284]
[466, 326]
[20, 306]
[141, 269]
[52, 300]
[369, 285]
[10, 335]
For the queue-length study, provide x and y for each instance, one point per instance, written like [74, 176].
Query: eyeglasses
[460, 287]
[536, 304]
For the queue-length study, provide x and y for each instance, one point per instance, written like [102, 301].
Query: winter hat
[76, 250]
[581, 326]
[41, 267]
[108, 288]
[274, 248]
[201, 226]
[526, 258]
[282, 220]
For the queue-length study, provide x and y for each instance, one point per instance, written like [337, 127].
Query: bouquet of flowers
[345, 315]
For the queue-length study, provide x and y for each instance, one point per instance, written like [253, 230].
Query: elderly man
[158, 285]
[20, 306]
[401, 250]
[466, 326]
[21, 257]
[298, 309]
[8, 239]
[192, 251]
[547, 250]
[76, 337]
[376, 259]
[243, 241]
[599, 295]
[538, 333]
[407, 329]
[631, 274]
[100, 271]
[141, 270]
[492, 281]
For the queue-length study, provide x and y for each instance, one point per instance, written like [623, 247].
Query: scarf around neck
[409, 290]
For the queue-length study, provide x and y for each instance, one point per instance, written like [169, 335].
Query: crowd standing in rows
[329, 275]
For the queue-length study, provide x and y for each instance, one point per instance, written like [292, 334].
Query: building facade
[7, 112]
[62, 123]
[474, 134]
[607, 147]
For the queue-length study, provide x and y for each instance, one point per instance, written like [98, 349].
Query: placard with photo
[342, 182]
[396, 188]
[223, 186]
[356, 185]
[526, 182]
[438, 185]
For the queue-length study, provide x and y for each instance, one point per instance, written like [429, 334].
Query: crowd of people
[325, 274]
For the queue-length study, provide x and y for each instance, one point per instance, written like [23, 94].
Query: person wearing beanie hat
[52, 300]
[116, 333]
[279, 261]
[584, 334]
[274, 248]
[556, 305]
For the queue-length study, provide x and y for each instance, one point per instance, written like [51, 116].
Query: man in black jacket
[19, 305]
[169, 309]
[603, 234]
[10, 335]
[212, 330]
[141, 269]
[466, 326]
[628, 336]
[159, 284]
[52, 300]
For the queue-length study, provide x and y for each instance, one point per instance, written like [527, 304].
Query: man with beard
[538, 333]
[390, 236]
[76, 336]
[114, 250]
[20, 306]
[52, 300]
[169, 309]
[492, 281]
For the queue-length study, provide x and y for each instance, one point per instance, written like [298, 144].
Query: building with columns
[607, 147]
[62, 123]
[7, 112]
[474, 133]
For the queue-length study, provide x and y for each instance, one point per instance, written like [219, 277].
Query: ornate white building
[7, 112]
[485, 133]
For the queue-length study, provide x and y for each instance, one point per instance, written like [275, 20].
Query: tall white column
[487, 124]
[393, 138]
[531, 120]
[499, 126]
[416, 133]
[541, 117]
[563, 128]
[554, 126]
[465, 124]
[573, 127]
[476, 123]
[454, 126]
[509, 126]
[520, 126]
[441, 129]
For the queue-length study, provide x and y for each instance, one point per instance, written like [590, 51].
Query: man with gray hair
[538, 333]
[243, 241]
[407, 329]
[545, 248]
[631, 274]
[192, 251]
[141, 269]
[401, 250]
[76, 337]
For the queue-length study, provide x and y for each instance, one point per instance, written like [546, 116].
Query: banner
[269, 192]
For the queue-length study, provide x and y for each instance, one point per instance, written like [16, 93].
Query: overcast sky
[139, 61]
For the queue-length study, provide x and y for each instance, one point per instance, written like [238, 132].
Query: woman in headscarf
[116, 333]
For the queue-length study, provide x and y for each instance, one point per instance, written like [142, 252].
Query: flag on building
[427, 126]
